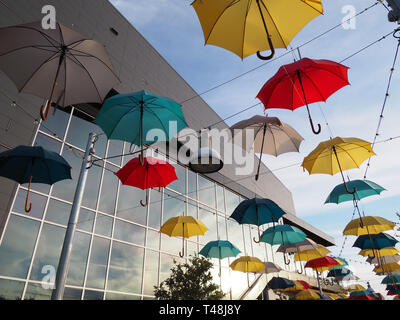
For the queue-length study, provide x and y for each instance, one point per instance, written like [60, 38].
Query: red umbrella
[303, 82]
[152, 173]
[361, 298]
[320, 263]
[305, 284]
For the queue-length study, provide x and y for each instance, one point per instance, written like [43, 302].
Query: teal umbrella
[219, 249]
[26, 164]
[345, 263]
[130, 117]
[364, 188]
[394, 278]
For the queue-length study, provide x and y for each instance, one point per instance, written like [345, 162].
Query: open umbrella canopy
[389, 251]
[385, 259]
[370, 225]
[341, 263]
[311, 254]
[247, 264]
[321, 264]
[360, 293]
[361, 298]
[246, 27]
[391, 279]
[58, 64]
[307, 295]
[271, 267]
[130, 117]
[338, 273]
[355, 287]
[298, 285]
[183, 226]
[219, 249]
[379, 241]
[364, 188]
[387, 267]
[25, 164]
[393, 292]
[279, 283]
[283, 234]
[338, 154]
[306, 244]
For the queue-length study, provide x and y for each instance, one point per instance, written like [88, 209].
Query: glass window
[235, 234]
[79, 256]
[78, 135]
[129, 206]
[206, 191]
[11, 289]
[96, 275]
[103, 225]
[38, 203]
[56, 123]
[48, 250]
[58, 212]
[248, 240]
[115, 148]
[192, 208]
[72, 294]
[86, 219]
[129, 232]
[232, 201]
[209, 219]
[150, 272]
[192, 248]
[153, 239]
[93, 295]
[192, 184]
[220, 198]
[92, 186]
[35, 291]
[174, 205]
[109, 191]
[221, 228]
[155, 209]
[126, 266]
[167, 262]
[180, 184]
[171, 244]
[121, 296]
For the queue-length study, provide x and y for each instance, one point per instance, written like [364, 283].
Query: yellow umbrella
[388, 251]
[333, 295]
[355, 287]
[344, 296]
[311, 254]
[183, 226]
[387, 267]
[371, 225]
[247, 264]
[397, 297]
[307, 295]
[244, 26]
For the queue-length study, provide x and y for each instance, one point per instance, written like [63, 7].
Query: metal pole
[63, 264]
[319, 283]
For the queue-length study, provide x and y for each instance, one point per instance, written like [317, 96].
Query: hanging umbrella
[130, 117]
[298, 286]
[321, 264]
[360, 293]
[311, 254]
[325, 296]
[303, 82]
[279, 283]
[338, 273]
[391, 279]
[393, 292]
[355, 287]
[283, 234]
[387, 267]
[336, 155]
[271, 267]
[389, 251]
[183, 226]
[307, 295]
[375, 241]
[365, 188]
[257, 212]
[243, 27]
[219, 249]
[386, 259]
[348, 277]
[341, 263]
[56, 64]
[271, 136]
[361, 298]
[370, 225]
[306, 244]
[247, 264]
[153, 173]
[25, 164]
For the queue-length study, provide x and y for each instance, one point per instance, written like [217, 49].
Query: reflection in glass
[126, 266]
[248, 240]
[192, 185]
[174, 205]
[38, 203]
[35, 291]
[79, 256]
[232, 201]
[220, 198]
[171, 244]
[108, 190]
[48, 250]
[129, 152]
[129, 206]
[56, 124]
[153, 239]
[192, 248]
[129, 232]
[235, 234]
[206, 191]
[115, 149]
[72, 294]
[150, 272]
[58, 212]
[17, 246]
[209, 219]
[121, 296]
[11, 289]
[103, 225]
[86, 219]
[96, 275]
[93, 295]
[155, 209]
[192, 208]
[92, 186]
[180, 184]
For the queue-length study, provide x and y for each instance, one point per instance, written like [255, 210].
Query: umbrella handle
[29, 208]
[287, 262]
[268, 36]
[144, 204]
[318, 131]
[259, 236]
[301, 270]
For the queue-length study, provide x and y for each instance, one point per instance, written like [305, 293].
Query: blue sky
[172, 27]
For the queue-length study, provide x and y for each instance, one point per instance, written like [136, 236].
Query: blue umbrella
[335, 273]
[361, 293]
[25, 164]
[395, 278]
[283, 234]
[375, 241]
[279, 283]
[257, 211]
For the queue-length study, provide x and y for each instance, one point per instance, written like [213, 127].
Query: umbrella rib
[276, 27]
[314, 85]
[320, 12]
[46, 36]
[244, 25]
[348, 155]
[30, 46]
[171, 111]
[158, 118]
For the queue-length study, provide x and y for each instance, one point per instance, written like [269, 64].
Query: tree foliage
[189, 281]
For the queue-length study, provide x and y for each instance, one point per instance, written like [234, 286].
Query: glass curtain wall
[118, 251]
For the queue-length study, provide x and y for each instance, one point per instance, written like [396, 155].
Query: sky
[173, 29]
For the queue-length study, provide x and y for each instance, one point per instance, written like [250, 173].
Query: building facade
[118, 251]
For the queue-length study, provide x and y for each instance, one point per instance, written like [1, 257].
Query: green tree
[189, 281]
